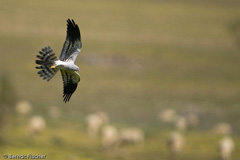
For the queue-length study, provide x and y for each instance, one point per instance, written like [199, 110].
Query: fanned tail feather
[47, 59]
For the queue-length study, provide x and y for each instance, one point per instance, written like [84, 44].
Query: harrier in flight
[49, 64]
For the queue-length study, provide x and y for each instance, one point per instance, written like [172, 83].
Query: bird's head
[73, 68]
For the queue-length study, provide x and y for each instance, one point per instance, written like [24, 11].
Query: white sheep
[23, 107]
[175, 143]
[168, 115]
[54, 112]
[95, 121]
[131, 136]
[181, 123]
[226, 147]
[109, 137]
[36, 125]
[222, 128]
[192, 120]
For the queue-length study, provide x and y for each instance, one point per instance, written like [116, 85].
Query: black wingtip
[66, 97]
[71, 23]
[73, 30]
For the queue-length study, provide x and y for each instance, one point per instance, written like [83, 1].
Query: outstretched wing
[72, 45]
[70, 83]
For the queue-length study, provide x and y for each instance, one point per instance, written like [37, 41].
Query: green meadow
[138, 58]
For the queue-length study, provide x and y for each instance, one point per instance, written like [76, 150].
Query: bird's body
[49, 64]
[65, 65]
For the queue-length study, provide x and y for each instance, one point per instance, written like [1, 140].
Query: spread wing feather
[72, 45]
[46, 59]
[70, 83]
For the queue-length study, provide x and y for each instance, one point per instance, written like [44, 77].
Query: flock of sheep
[110, 136]
[36, 123]
[95, 123]
[176, 140]
[98, 126]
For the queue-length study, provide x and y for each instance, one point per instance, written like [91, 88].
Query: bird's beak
[52, 67]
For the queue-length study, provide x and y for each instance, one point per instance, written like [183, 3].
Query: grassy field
[138, 57]
[68, 141]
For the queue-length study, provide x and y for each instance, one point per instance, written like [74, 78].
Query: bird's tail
[46, 63]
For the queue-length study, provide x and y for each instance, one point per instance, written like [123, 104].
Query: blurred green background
[138, 58]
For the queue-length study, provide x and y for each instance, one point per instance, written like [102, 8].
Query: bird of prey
[49, 64]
